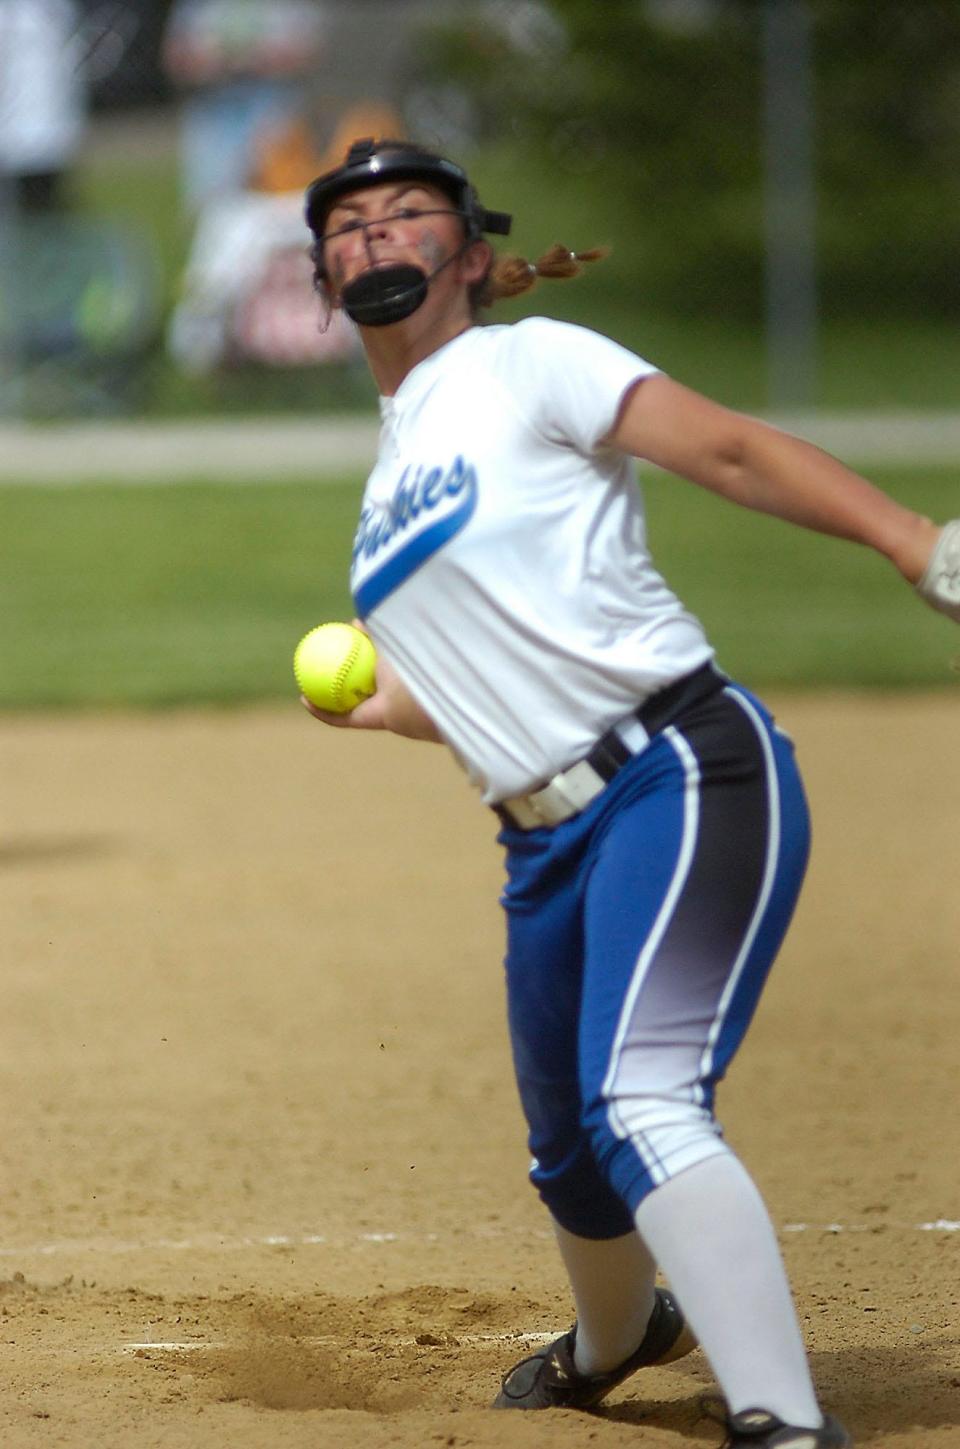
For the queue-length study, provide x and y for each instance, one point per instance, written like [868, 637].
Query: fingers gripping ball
[335, 667]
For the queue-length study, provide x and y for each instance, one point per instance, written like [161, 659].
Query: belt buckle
[578, 786]
[561, 798]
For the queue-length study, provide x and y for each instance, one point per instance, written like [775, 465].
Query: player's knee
[641, 1139]
[564, 1171]
[577, 1194]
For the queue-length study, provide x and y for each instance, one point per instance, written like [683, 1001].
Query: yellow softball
[335, 667]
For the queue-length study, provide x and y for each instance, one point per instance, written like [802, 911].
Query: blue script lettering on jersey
[430, 504]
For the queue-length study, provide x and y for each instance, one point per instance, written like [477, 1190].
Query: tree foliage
[660, 103]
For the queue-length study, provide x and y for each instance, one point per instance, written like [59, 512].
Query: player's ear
[322, 284]
[476, 262]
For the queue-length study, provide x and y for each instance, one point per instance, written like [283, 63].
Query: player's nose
[377, 228]
[365, 234]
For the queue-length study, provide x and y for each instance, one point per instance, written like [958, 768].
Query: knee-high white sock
[710, 1232]
[612, 1282]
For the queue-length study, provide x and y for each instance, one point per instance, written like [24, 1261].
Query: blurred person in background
[242, 67]
[247, 290]
[43, 101]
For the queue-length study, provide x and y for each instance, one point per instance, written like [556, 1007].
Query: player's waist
[573, 789]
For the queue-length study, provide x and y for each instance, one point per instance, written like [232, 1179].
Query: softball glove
[940, 584]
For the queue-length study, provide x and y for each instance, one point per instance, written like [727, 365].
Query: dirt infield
[263, 1168]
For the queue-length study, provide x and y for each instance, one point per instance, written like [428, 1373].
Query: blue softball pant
[639, 937]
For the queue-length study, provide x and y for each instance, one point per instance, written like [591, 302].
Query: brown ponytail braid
[509, 276]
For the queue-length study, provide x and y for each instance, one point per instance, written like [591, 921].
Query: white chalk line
[218, 1243]
[939, 1225]
[439, 1340]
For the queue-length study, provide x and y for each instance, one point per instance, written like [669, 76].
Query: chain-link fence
[779, 181]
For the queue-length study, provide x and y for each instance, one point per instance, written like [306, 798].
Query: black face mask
[390, 294]
[385, 294]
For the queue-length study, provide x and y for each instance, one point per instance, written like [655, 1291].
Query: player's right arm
[392, 708]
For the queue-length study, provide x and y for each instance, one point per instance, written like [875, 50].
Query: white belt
[572, 789]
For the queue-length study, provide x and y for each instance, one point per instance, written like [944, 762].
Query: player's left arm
[760, 467]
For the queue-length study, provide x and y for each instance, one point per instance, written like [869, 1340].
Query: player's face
[378, 226]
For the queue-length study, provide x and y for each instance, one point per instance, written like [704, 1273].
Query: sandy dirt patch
[263, 1167]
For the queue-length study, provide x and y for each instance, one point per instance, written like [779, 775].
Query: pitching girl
[652, 816]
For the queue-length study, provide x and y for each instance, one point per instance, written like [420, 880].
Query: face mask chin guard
[389, 294]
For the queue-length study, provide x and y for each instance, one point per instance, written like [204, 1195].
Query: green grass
[789, 608]
[157, 596]
[160, 596]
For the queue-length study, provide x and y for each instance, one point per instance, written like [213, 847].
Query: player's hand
[366, 716]
[392, 708]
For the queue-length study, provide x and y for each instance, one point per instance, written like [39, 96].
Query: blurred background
[778, 181]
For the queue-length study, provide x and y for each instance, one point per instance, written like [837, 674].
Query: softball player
[651, 812]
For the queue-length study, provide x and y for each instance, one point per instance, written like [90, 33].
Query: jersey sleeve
[568, 381]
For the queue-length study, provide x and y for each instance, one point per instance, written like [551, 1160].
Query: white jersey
[501, 562]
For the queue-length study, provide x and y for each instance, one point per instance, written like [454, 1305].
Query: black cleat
[548, 1379]
[757, 1429]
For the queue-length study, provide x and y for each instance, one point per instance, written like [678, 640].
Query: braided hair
[511, 275]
